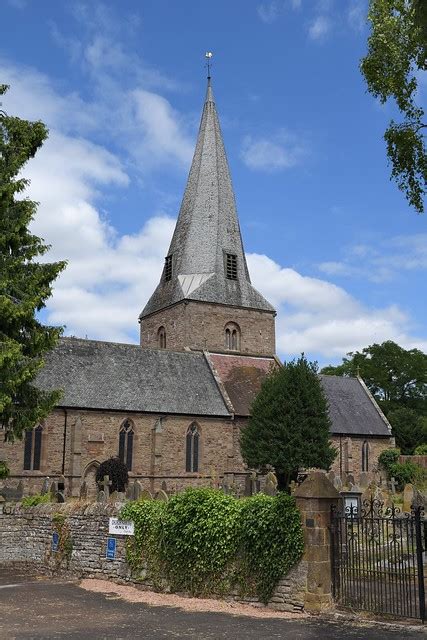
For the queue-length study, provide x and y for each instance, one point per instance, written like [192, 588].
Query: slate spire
[207, 247]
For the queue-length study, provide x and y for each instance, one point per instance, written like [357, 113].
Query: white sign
[121, 527]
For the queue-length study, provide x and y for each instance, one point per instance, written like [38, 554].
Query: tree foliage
[397, 377]
[25, 284]
[397, 54]
[289, 428]
[117, 472]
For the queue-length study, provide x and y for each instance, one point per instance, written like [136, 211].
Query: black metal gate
[378, 557]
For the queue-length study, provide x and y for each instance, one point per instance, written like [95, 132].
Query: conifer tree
[289, 428]
[25, 284]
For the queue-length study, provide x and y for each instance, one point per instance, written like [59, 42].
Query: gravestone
[12, 494]
[164, 486]
[292, 486]
[113, 497]
[137, 490]
[130, 492]
[331, 476]
[46, 485]
[363, 480]
[106, 484]
[337, 483]
[83, 491]
[53, 490]
[270, 484]
[408, 497]
[145, 495]
[248, 486]
[60, 496]
[101, 496]
[161, 495]
[393, 485]
[214, 478]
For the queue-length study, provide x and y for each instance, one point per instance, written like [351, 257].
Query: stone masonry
[201, 326]
[26, 538]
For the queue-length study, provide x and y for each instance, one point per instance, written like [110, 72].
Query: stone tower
[205, 299]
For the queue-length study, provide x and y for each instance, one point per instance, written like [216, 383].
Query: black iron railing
[378, 557]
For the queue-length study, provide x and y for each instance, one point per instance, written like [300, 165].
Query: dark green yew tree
[289, 428]
[25, 284]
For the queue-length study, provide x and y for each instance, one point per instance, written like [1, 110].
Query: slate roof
[125, 377]
[206, 230]
[351, 408]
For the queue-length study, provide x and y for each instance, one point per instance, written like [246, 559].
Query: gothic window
[33, 449]
[168, 268]
[232, 337]
[231, 266]
[192, 448]
[126, 443]
[365, 456]
[161, 338]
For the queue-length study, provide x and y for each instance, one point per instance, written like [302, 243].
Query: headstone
[46, 485]
[270, 484]
[164, 486]
[12, 494]
[53, 490]
[101, 496]
[130, 492]
[106, 484]
[161, 495]
[331, 476]
[114, 496]
[83, 491]
[145, 495]
[60, 496]
[137, 490]
[349, 479]
[408, 497]
[214, 478]
[393, 485]
[337, 483]
[293, 485]
[363, 480]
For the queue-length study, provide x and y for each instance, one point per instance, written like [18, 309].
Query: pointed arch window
[33, 449]
[365, 456]
[126, 443]
[232, 337]
[192, 448]
[161, 338]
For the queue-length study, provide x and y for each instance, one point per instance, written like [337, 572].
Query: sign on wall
[55, 541]
[111, 548]
[121, 527]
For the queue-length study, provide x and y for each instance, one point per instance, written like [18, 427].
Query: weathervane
[208, 56]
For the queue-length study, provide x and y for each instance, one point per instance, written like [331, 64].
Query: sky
[330, 240]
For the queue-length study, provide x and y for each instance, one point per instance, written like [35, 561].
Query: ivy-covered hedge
[204, 541]
[402, 472]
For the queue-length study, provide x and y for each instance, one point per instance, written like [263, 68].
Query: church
[172, 408]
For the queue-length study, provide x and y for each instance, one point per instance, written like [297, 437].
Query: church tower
[205, 299]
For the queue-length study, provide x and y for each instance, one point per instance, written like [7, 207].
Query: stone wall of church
[158, 449]
[202, 326]
[349, 456]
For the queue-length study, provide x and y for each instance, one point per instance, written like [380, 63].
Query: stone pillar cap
[316, 485]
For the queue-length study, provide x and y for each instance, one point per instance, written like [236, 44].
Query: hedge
[205, 542]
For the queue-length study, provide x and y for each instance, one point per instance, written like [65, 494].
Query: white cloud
[281, 151]
[317, 316]
[319, 28]
[268, 11]
[356, 15]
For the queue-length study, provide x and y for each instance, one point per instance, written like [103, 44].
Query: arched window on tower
[192, 448]
[161, 338]
[33, 449]
[126, 443]
[365, 456]
[232, 337]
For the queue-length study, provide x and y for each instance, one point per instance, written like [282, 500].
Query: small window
[33, 449]
[126, 443]
[168, 268]
[231, 266]
[192, 449]
[232, 337]
[365, 456]
[161, 338]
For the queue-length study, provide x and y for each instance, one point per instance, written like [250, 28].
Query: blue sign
[55, 541]
[111, 548]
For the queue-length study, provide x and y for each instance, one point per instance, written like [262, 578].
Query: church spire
[206, 260]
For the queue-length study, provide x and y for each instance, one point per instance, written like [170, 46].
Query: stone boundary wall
[421, 460]
[26, 538]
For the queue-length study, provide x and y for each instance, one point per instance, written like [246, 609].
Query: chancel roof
[125, 377]
[206, 231]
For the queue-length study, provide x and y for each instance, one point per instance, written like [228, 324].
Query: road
[36, 608]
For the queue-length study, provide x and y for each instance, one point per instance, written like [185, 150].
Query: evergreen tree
[116, 470]
[289, 428]
[25, 284]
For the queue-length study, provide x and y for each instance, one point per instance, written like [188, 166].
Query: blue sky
[330, 240]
